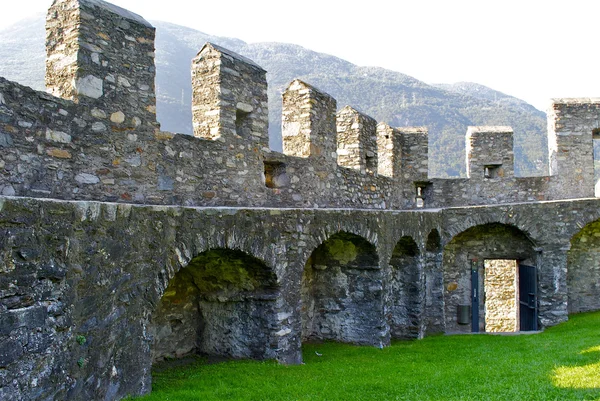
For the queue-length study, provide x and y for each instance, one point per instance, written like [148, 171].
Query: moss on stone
[341, 250]
[228, 271]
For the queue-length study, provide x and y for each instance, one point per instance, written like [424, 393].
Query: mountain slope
[398, 99]
[483, 92]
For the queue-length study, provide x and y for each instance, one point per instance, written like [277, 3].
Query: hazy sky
[531, 49]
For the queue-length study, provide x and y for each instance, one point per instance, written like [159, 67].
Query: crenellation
[356, 141]
[349, 161]
[489, 152]
[101, 54]
[571, 127]
[229, 97]
[414, 161]
[388, 151]
[309, 123]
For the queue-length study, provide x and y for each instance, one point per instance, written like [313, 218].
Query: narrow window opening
[275, 175]
[370, 163]
[242, 123]
[423, 193]
[491, 170]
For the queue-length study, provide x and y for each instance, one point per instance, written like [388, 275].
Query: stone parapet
[489, 152]
[388, 150]
[102, 56]
[309, 124]
[573, 124]
[413, 178]
[356, 141]
[229, 97]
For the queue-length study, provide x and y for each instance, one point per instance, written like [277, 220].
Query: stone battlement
[105, 144]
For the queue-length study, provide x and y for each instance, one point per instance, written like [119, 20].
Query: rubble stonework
[122, 245]
[356, 141]
[100, 52]
[229, 98]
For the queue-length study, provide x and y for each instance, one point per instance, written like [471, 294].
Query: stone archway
[221, 304]
[405, 290]
[464, 261]
[583, 270]
[342, 292]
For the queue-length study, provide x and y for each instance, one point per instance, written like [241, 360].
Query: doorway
[509, 296]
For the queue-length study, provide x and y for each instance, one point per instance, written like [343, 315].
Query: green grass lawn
[562, 363]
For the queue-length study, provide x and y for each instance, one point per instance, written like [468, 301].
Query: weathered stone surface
[117, 117]
[341, 286]
[474, 249]
[344, 294]
[583, 276]
[96, 62]
[356, 141]
[59, 153]
[90, 86]
[155, 245]
[57, 136]
[85, 178]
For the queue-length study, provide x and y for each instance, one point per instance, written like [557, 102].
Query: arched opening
[583, 270]
[220, 304]
[434, 241]
[342, 292]
[404, 312]
[490, 280]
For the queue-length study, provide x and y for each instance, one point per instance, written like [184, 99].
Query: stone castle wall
[84, 284]
[104, 143]
[121, 244]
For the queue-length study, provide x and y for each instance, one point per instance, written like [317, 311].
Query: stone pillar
[308, 123]
[572, 126]
[552, 285]
[388, 151]
[356, 141]
[414, 154]
[489, 152]
[229, 97]
[433, 283]
[102, 56]
[416, 187]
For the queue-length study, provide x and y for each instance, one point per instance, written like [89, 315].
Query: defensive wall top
[98, 138]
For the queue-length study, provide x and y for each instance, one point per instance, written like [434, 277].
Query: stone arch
[342, 292]
[405, 289]
[468, 251]
[434, 242]
[221, 303]
[583, 269]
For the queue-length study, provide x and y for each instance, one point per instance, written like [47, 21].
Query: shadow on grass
[563, 363]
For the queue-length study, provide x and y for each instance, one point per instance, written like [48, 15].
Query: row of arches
[224, 301]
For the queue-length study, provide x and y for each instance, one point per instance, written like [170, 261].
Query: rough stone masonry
[122, 245]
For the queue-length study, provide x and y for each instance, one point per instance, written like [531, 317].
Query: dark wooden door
[528, 298]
